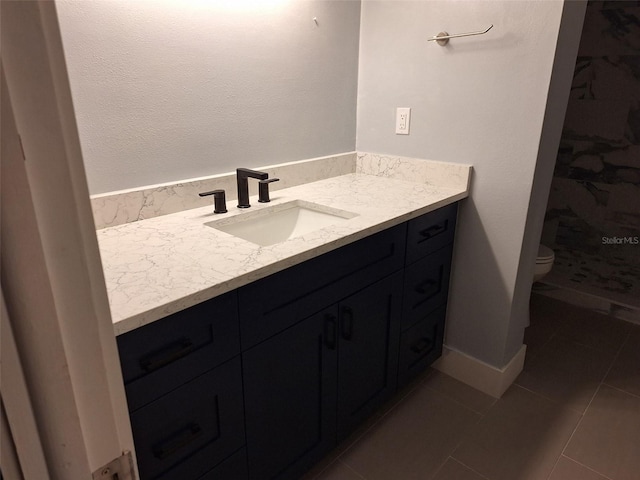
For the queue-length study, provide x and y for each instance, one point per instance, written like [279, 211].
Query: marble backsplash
[455, 175]
[117, 208]
[595, 192]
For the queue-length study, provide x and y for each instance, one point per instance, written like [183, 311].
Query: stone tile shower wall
[595, 194]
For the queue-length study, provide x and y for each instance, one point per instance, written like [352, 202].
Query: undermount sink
[279, 223]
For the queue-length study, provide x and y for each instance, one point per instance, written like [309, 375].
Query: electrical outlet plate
[403, 120]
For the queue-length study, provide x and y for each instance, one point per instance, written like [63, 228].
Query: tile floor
[573, 414]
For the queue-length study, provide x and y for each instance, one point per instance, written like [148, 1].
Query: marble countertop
[159, 266]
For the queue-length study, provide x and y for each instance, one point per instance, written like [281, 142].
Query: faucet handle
[263, 189]
[219, 200]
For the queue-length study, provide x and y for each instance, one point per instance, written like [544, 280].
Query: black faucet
[263, 189]
[219, 199]
[242, 177]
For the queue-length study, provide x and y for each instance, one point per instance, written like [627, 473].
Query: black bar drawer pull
[422, 345]
[330, 331]
[183, 438]
[434, 230]
[347, 323]
[428, 287]
[167, 355]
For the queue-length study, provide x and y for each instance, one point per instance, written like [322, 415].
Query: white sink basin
[279, 223]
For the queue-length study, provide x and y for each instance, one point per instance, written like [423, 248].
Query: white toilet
[544, 262]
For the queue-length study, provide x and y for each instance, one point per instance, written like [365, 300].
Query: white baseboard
[479, 375]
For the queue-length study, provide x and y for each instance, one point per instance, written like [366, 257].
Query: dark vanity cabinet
[264, 381]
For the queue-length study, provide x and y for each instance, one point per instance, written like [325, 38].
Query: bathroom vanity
[283, 361]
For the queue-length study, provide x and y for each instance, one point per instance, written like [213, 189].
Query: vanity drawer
[430, 232]
[426, 286]
[187, 432]
[421, 345]
[270, 305]
[163, 355]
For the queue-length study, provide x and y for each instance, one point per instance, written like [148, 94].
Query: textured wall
[168, 90]
[479, 100]
[596, 186]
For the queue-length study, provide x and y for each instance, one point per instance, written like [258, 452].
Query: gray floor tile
[567, 469]
[548, 310]
[454, 470]
[545, 314]
[469, 397]
[413, 440]
[608, 437]
[593, 329]
[520, 438]
[567, 372]
[625, 373]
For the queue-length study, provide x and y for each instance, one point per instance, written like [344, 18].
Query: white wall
[479, 100]
[169, 89]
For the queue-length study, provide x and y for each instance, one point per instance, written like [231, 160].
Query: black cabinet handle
[428, 287]
[434, 230]
[347, 323]
[180, 440]
[422, 345]
[167, 355]
[330, 331]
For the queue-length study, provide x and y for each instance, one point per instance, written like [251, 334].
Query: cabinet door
[290, 398]
[368, 351]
